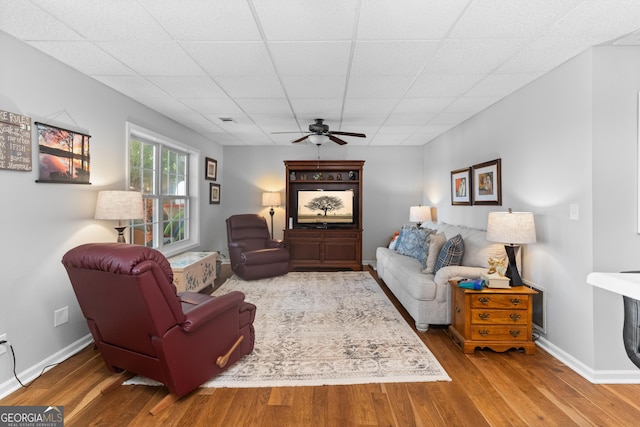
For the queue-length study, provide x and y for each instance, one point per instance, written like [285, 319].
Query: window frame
[193, 241]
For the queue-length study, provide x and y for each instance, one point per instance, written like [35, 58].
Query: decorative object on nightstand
[419, 214]
[119, 206]
[512, 229]
[193, 271]
[271, 199]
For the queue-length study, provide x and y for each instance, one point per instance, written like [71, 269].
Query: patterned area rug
[325, 328]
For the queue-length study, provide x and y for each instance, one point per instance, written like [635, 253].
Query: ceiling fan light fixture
[318, 139]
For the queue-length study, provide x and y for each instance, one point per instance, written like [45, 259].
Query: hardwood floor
[487, 389]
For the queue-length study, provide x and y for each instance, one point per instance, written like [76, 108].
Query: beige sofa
[427, 296]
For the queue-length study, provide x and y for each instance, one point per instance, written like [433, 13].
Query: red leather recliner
[254, 255]
[141, 325]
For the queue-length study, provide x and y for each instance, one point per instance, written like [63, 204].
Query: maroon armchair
[141, 325]
[254, 255]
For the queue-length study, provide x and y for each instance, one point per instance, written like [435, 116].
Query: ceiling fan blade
[300, 139]
[359, 135]
[293, 131]
[337, 140]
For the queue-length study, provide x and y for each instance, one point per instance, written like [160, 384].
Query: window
[163, 171]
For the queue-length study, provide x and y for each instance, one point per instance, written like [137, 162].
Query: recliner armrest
[207, 310]
[273, 243]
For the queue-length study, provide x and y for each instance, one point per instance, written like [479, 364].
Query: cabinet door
[457, 307]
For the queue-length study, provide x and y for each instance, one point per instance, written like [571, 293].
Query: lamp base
[512, 268]
[271, 212]
[121, 234]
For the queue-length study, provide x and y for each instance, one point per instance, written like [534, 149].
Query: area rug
[325, 328]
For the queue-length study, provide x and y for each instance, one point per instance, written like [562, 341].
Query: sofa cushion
[412, 243]
[451, 253]
[436, 242]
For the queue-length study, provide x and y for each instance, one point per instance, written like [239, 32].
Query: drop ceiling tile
[419, 138]
[481, 56]
[135, 87]
[314, 86]
[199, 123]
[359, 119]
[266, 86]
[414, 120]
[311, 58]
[443, 85]
[466, 104]
[606, 19]
[264, 105]
[296, 20]
[230, 59]
[106, 19]
[153, 58]
[39, 25]
[85, 57]
[368, 130]
[500, 85]
[205, 20]
[321, 107]
[423, 105]
[493, 19]
[450, 119]
[221, 106]
[188, 86]
[388, 139]
[392, 129]
[378, 86]
[413, 20]
[391, 57]
[370, 105]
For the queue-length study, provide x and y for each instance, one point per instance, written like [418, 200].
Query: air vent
[226, 119]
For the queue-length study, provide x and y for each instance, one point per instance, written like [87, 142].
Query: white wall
[392, 183]
[40, 222]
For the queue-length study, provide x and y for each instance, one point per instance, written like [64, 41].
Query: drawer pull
[483, 316]
[515, 317]
[457, 309]
[515, 301]
[514, 333]
[484, 300]
[483, 332]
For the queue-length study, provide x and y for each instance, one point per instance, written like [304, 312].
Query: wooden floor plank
[487, 389]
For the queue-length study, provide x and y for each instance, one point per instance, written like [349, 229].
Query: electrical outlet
[3, 347]
[60, 316]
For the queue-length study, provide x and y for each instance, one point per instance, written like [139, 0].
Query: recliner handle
[221, 361]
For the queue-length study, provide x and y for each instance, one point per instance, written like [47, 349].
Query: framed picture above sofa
[487, 183]
[461, 187]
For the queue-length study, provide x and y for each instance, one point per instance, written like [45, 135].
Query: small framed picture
[214, 194]
[487, 183]
[211, 169]
[460, 187]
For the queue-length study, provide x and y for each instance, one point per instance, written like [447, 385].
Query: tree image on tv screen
[325, 204]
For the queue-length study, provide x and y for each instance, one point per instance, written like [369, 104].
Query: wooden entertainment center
[325, 242]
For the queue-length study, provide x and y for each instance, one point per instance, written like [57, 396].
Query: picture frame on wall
[214, 194]
[63, 155]
[461, 186]
[487, 183]
[210, 169]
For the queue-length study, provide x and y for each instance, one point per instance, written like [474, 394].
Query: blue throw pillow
[451, 253]
[411, 242]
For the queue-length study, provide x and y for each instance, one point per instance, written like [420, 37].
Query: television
[325, 208]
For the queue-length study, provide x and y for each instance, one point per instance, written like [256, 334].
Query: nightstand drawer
[519, 302]
[499, 333]
[498, 317]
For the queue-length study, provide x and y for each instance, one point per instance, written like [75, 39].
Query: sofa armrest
[210, 309]
[447, 273]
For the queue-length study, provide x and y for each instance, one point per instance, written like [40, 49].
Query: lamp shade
[119, 205]
[511, 227]
[318, 139]
[271, 199]
[420, 214]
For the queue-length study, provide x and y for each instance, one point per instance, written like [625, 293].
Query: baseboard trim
[592, 375]
[29, 374]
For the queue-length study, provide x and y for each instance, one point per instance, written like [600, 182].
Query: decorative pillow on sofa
[451, 253]
[435, 243]
[411, 242]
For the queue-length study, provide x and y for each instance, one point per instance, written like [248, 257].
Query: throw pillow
[436, 242]
[451, 253]
[403, 230]
[413, 244]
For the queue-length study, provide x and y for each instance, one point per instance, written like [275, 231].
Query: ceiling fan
[319, 132]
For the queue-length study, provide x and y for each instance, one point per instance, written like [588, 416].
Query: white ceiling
[400, 71]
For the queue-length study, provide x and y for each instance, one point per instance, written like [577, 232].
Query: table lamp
[419, 214]
[512, 229]
[119, 206]
[271, 199]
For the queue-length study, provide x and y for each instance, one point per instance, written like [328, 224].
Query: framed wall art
[211, 169]
[214, 194]
[487, 183]
[64, 155]
[461, 187]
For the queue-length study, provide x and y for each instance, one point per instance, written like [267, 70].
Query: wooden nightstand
[499, 319]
